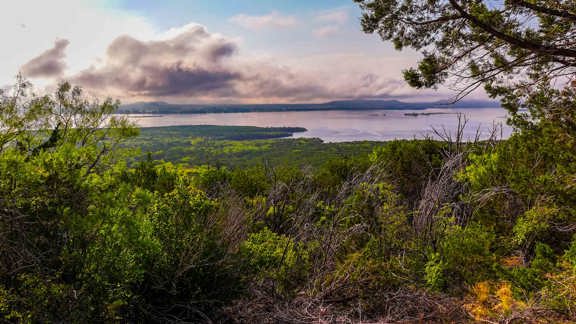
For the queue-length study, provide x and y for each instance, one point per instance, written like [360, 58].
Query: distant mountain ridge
[167, 108]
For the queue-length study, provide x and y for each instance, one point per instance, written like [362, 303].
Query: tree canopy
[517, 50]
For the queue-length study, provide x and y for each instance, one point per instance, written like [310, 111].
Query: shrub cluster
[426, 231]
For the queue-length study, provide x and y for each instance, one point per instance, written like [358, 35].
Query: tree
[53, 149]
[83, 236]
[518, 50]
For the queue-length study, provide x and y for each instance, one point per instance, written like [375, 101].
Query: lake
[348, 126]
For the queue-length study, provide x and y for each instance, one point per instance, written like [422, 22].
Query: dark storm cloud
[191, 64]
[177, 79]
[187, 64]
[219, 51]
[49, 64]
[159, 81]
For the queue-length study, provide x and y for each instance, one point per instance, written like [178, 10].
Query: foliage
[277, 257]
[87, 236]
[234, 133]
[410, 164]
[517, 50]
[463, 255]
[570, 254]
[234, 146]
[494, 301]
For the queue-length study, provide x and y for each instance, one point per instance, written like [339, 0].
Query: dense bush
[410, 164]
[87, 237]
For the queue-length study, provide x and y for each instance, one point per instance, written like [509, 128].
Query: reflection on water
[346, 126]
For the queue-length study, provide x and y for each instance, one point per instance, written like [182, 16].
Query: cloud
[338, 16]
[326, 31]
[272, 83]
[48, 64]
[271, 20]
[331, 22]
[126, 55]
[89, 26]
[188, 63]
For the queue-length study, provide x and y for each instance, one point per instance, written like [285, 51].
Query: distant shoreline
[242, 111]
[174, 109]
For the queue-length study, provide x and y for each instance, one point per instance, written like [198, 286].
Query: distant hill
[167, 108]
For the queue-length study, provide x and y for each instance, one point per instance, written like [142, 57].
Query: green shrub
[409, 164]
[532, 278]
[250, 182]
[570, 254]
[464, 256]
[277, 257]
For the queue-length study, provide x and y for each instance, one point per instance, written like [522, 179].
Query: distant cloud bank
[310, 53]
[187, 64]
[49, 64]
[190, 64]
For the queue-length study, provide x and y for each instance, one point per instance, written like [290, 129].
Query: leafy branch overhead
[512, 48]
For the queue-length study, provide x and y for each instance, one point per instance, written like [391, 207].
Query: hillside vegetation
[423, 230]
[413, 232]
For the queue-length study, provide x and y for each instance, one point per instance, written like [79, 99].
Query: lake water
[347, 126]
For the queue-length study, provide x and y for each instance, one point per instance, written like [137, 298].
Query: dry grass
[404, 305]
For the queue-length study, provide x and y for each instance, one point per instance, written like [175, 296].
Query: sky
[204, 51]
